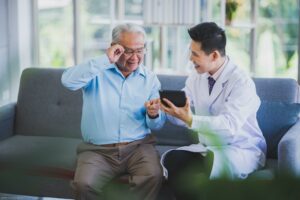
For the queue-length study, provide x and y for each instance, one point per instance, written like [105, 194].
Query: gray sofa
[39, 133]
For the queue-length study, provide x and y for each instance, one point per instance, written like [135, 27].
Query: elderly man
[115, 126]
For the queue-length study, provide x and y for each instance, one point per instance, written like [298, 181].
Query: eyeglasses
[129, 52]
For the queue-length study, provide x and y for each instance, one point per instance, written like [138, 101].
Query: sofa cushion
[174, 135]
[274, 119]
[266, 173]
[45, 107]
[50, 156]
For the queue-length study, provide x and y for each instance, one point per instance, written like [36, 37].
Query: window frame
[117, 14]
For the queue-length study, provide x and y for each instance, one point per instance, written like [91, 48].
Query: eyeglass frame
[134, 51]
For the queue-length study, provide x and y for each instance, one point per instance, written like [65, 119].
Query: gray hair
[128, 27]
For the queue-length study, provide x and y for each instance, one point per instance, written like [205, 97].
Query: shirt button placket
[121, 127]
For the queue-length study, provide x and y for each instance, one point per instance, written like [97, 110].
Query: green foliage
[278, 189]
[215, 142]
[55, 32]
[231, 8]
[284, 16]
[58, 59]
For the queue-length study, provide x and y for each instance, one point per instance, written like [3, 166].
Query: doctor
[225, 103]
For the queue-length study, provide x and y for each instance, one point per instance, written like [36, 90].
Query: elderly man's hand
[153, 107]
[114, 52]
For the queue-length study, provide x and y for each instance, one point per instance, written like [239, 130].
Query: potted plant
[231, 9]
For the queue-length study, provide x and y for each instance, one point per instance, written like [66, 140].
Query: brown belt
[115, 144]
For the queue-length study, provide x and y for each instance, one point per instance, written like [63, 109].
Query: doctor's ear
[215, 55]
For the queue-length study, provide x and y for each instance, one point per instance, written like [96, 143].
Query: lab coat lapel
[203, 101]
[221, 81]
[204, 88]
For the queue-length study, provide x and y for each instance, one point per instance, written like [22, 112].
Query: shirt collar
[140, 70]
[216, 75]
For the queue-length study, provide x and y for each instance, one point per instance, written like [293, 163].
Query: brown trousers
[98, 165]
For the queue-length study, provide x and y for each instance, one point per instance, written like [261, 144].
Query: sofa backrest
[268, 89]
[277, 89]
[278, 111]
[45, 107]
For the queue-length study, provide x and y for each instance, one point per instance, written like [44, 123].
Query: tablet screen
[177, 97]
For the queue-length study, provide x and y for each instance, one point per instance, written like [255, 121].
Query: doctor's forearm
[188, 120]
[217, 124]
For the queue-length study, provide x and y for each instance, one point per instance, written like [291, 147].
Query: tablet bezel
[177, 97]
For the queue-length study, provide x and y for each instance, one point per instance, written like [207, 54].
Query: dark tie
[211, 83]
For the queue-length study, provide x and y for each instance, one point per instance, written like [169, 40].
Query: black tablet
[177, 97]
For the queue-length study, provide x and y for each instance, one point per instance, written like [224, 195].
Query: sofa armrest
[289, 152]
[7, 117]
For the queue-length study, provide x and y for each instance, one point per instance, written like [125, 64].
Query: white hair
[128, 27]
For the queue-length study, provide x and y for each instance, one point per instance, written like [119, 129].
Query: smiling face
[133, 56]
[203, 62]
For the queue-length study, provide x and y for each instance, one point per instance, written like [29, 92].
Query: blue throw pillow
[275, 119]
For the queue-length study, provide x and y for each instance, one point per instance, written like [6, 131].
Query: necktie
[211, 83]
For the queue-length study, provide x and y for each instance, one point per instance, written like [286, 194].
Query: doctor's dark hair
[210, 36]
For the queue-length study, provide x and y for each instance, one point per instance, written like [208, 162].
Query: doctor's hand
[152, 108]
[114, 52]
[183, 113]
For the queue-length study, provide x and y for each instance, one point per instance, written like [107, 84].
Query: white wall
[4, 70]
[15, 45]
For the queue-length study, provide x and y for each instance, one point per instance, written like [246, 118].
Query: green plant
[231, 9]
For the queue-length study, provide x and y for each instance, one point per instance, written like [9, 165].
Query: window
[278, 32]
[238, 46]
[94, 27]
[238, 19]
[63, 45]
[134, 9]
[55, 29]
[262, 34]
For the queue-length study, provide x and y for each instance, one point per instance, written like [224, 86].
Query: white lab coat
[229, 113]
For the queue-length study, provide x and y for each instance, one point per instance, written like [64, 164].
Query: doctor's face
[202, 62]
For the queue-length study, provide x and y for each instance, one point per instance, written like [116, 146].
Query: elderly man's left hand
[153, 107]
